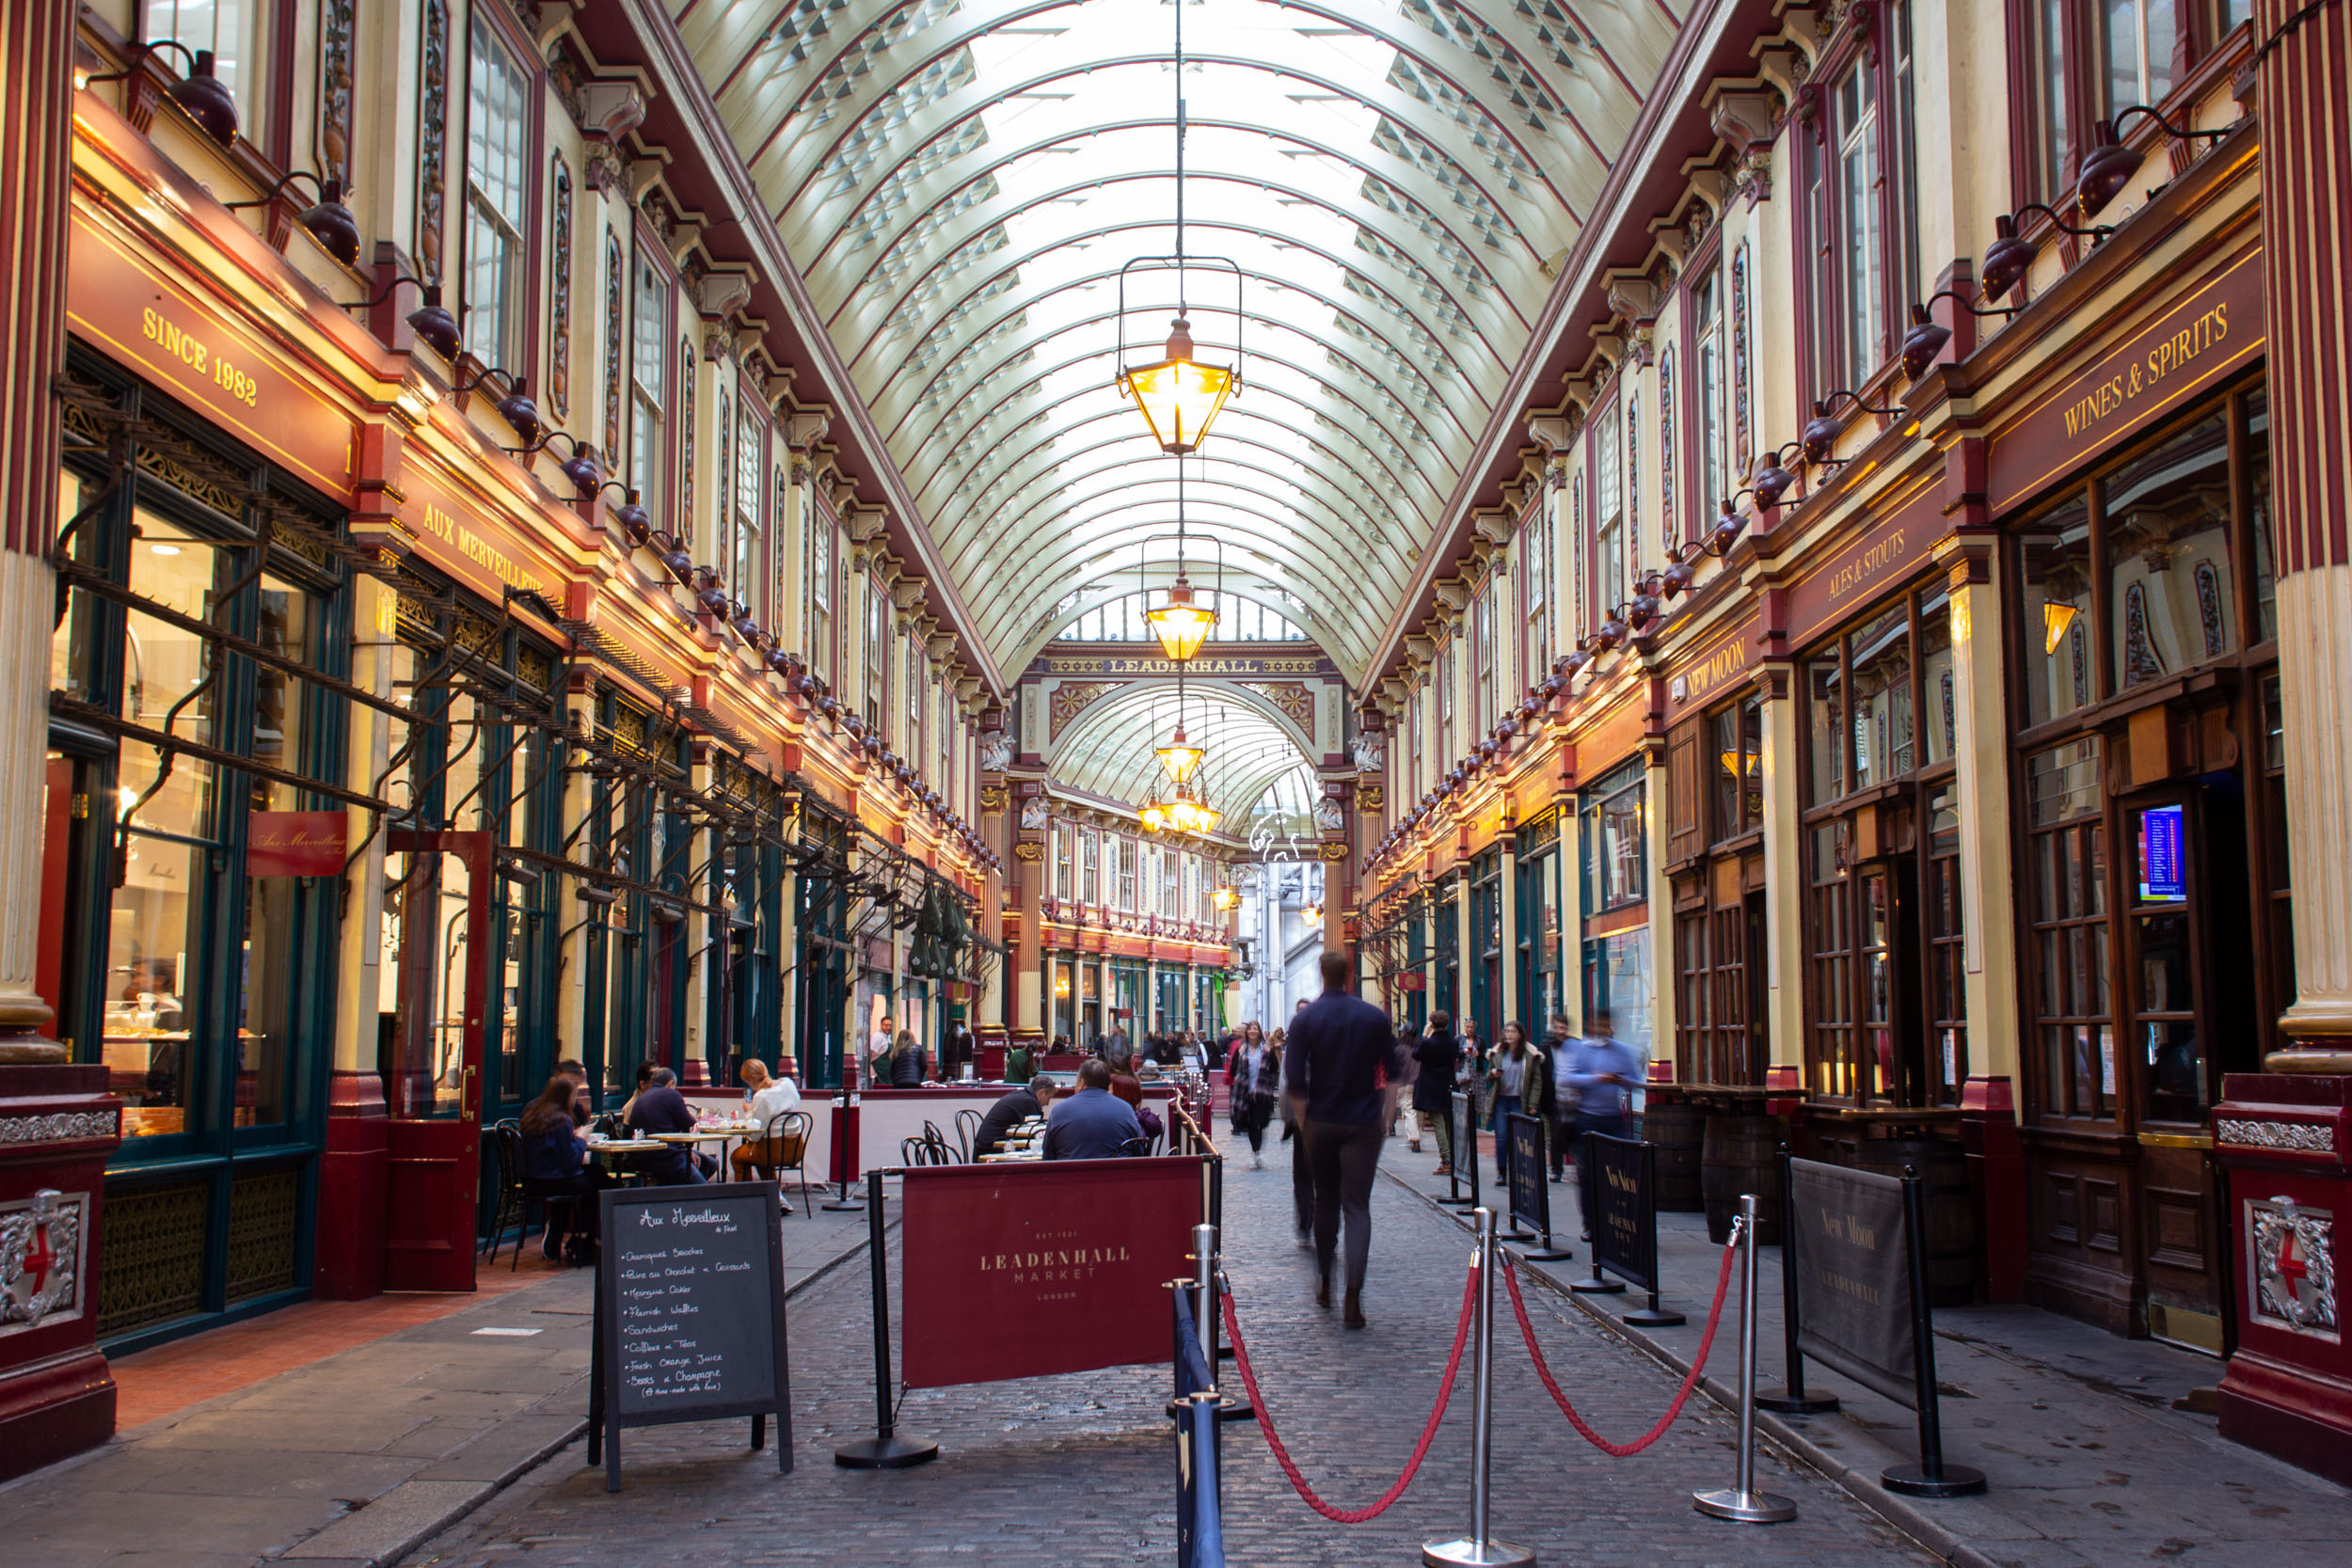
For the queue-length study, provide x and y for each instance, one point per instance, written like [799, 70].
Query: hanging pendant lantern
[1178, 396]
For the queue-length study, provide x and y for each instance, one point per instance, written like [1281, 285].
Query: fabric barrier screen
[1854, 1276]
[1029, 1268]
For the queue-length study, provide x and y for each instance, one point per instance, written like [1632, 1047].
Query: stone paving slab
[353, 1458]
[1077, 1472]
[2088, 1460]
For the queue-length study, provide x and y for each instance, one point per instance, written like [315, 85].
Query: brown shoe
[1443, 1170]
[1322, 1292]
[1354, 1314]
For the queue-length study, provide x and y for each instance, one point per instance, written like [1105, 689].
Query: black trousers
[1303, 1181]
[1344, 1156]
[1611, 1126]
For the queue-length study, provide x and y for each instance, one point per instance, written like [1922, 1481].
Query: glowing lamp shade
[1179, 396]
[1311, 914]
[2056, 620]
[1177, 758]
[1154, 817]
[1225, 898]
[1181, 625]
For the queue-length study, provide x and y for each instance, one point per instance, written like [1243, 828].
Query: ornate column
[57, 1123]
[2281, 1135]
[35, 137]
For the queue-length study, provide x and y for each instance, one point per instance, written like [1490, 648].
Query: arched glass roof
[1108, 750]
[959, 181]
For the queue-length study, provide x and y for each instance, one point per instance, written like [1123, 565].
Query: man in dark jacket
[1440, 1055]
[659, 1108]
[1093, 1124]
[1342, 1068]
[1025, 1104]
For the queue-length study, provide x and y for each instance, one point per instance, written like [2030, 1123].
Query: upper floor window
[648, 376]
[1609, 525]
[877, 652]
[497, 178]
[1860, 204]
[1484, 650]
[1709, 388]
[1126, 873]
[1536, 589]
[1090, 847]
[2085, 60]
[914, 699]
[746, 566]
[230, 28]
[1738, 736]
[821, 591]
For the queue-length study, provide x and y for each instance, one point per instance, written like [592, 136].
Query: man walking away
[1603, 1073]
[1558, 1058]
[1344, 1059]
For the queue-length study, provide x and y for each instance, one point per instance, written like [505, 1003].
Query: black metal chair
[967, 1128]
[512, 1205]
[785, 1140]
[1136, 1147]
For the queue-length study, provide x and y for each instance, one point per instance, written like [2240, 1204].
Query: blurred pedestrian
[1437, 1055]
[1604, 1072]
[1507, 1075]
[1343, 1058]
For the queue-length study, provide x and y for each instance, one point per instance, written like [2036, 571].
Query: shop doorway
[435, 1132]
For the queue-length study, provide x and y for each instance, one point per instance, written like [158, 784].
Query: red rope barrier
[1421, 1449]
[1698, 1364]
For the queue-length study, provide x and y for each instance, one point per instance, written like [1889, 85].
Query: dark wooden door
[435, 1133]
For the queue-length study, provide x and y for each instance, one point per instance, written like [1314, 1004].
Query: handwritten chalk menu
[690, 1292]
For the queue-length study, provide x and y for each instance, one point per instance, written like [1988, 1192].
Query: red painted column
[57, 1123]
[2284, 1136]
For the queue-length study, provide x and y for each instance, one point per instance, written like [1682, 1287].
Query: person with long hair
[1253, 1076]
[1506, 1076]
[906, 1062]
[555, 1165]
[1437, 1055]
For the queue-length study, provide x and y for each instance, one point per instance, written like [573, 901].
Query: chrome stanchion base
[1745, 1508]
[885, 1453]
[1547, 1254]
[1912, 1481]
[1476, 1554]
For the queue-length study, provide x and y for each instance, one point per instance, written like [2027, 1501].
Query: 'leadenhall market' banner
[1026, 1268]
[1854, 1276]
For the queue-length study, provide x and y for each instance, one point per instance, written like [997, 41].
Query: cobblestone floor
[1077, 1470]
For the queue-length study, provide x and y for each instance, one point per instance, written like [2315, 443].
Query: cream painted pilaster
[571, 959]
[359, 943]
[1784, 867]
[1987, 887]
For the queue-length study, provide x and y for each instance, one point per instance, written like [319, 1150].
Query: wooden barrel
[1951, 1210]
[1741, 1154]
[1675, 1127]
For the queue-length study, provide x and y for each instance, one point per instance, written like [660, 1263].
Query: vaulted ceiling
[1107, 751]
[959, 183]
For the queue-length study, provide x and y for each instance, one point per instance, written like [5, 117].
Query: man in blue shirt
[1094, 1123]
[659, 1108]
[1604, 1072]
[1341, 1070]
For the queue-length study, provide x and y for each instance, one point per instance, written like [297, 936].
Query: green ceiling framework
[960, 180]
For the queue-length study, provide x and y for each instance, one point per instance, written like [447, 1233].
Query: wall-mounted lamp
[1772, 480]
[1820, 437]
[202, 94]
[328, 220]
[515, 407]
[2108, 166]
[432, 324]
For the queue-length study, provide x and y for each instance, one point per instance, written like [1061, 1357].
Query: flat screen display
[2163, 877]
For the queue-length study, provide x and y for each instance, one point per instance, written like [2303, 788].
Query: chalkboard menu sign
[690, 1308]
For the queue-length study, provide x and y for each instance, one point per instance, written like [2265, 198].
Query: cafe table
[620, 1155]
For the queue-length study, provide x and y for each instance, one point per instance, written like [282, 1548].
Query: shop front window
[1738, 768]
[2057, 587]
[2067, 889]
[2172, 591]
[497, 178]
[1617, 819]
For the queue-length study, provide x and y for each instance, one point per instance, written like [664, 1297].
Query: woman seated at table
[769, 1097]
[555, 1165]
[659, 1108]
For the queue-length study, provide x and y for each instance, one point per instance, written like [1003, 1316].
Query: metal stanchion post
[885, 1450]
[1744, 1503]
[1479, 1549]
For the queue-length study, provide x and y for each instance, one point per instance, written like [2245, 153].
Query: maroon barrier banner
[1025, 1267]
